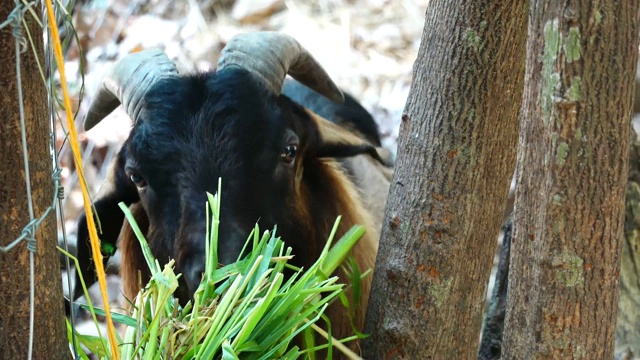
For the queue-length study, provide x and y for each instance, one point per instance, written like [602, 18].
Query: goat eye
[138, 180]
[289, 153]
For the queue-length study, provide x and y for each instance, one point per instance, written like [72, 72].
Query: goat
[284, 164]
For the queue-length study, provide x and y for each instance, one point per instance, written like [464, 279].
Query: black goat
[280, 162]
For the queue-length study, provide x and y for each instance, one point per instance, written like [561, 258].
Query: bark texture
[628, 323]
[456, 156]
[636, 99]
[50, 340]
[571, 180]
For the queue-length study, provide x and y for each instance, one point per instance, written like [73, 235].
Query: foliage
[247, 309]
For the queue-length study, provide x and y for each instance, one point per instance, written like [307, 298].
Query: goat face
[191, 130]
[220, 125]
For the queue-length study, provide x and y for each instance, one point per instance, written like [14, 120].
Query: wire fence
[17, 23]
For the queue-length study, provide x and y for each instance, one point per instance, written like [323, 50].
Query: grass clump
[246, 309]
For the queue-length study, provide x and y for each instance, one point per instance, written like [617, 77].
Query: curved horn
[126, 82]
[271, 56]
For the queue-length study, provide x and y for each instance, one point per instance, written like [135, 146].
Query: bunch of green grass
[242, 310]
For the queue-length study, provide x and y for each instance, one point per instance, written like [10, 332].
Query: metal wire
[57, 170]
[29, 231]
[15, 20]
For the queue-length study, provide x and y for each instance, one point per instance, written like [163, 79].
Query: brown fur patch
[133, 270]
[326, 180]
[335, 134]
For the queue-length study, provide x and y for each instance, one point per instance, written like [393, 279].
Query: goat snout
[193, 269]
[192, 254]
[231, 240]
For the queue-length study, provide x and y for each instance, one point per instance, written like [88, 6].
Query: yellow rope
[73, 140]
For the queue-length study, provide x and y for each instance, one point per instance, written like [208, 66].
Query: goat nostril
[232, 240]
[193, 271]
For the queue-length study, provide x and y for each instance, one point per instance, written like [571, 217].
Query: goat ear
[108, 219]
[339, 142]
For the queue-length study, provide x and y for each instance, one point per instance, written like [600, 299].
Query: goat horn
[127, 82]
[271, 56]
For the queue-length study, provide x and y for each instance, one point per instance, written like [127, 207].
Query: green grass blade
[257, 312]
[341, 249]
[228, 353]
[151, 262]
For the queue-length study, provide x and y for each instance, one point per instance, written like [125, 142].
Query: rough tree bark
[456, 156]
[628, 319]
[49, 332]
[571, 178]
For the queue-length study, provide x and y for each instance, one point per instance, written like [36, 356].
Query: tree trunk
[628, 324]
[571, 179]
[636, 98]
[50, 340]
[456, 156]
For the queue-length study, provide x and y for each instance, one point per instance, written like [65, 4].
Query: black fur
[350, 114]
[491, 343]
[194, 129]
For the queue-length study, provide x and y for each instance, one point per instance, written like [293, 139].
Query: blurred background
[367, 46]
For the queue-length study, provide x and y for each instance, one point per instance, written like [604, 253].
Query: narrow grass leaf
[143, 241]
[341, 249]
[228, 353]
[257, 312]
